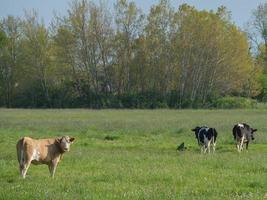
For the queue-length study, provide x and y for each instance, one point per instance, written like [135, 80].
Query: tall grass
[131, 154]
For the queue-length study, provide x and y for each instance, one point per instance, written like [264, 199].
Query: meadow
[131, 154]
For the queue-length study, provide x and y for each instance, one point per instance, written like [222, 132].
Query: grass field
[139, 158]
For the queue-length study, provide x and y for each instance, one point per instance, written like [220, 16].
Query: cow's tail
[20, 152]
[235, 132]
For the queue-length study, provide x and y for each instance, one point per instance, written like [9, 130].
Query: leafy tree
[258, 36]
[129, 20]
[10, 35]
[211, 53]
[158, 47]
[94, 57]
[36, 60]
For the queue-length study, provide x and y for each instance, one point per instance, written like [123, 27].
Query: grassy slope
[141, 163]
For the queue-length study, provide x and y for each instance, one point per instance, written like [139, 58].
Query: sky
[241, 9]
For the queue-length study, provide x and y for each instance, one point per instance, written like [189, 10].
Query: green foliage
[3, 39]
[91, 57]
[229, 102]
[257, 32]
[263, 95]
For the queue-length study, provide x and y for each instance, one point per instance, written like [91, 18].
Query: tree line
[95, 57]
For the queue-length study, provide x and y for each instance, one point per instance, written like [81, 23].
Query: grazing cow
[206, 137]
[243, 133]
[42, 151]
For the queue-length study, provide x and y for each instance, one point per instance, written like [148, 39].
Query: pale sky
[241, 9]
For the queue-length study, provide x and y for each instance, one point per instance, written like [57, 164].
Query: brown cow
[42, 151]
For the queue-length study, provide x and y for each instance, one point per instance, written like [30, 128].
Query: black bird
[181, 147]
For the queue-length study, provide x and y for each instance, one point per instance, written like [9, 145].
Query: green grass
[131, 154]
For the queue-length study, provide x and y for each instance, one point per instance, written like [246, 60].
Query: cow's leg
[206, 146]
[50, 168]
[242, 143]
[53, 170]
[20, 169]
[205, 149]
[20, 160]
[209, 143]
[24, 168]
[246, 145]
[201, 149]
[53, 167]
[238, 145]
[213, 145]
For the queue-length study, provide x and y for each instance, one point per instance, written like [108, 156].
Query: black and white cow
[243, 133]
[206, 137]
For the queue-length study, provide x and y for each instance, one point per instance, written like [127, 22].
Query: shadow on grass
[111, 138]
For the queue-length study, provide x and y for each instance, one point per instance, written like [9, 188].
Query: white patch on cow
[241, 125]
[203, 128]
[206, 140]
[65, 144]
[35, 155]
[206, 144]
[209, 145]
[240, 144]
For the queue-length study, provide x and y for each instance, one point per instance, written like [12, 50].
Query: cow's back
[201, 135]
[237, 132]
[39, 151]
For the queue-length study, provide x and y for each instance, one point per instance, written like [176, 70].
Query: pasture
[131, 154]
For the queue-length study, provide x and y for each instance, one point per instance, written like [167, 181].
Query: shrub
[229, 102]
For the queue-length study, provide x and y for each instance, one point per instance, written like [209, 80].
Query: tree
[95, 58]
[211, 53]
[101, 36]
[158, 47]
[258, 36]
[3, 39]
[83, 43]
[36, 60]
[260, 21]
[128, 19]
[10, 36]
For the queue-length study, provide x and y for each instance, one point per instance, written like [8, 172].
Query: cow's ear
[254, 130]
[58, 140]
[195, 129]
[72, 139]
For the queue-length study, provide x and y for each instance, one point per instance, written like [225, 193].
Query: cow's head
[65, 142]
[252, 133]
[196, 130]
